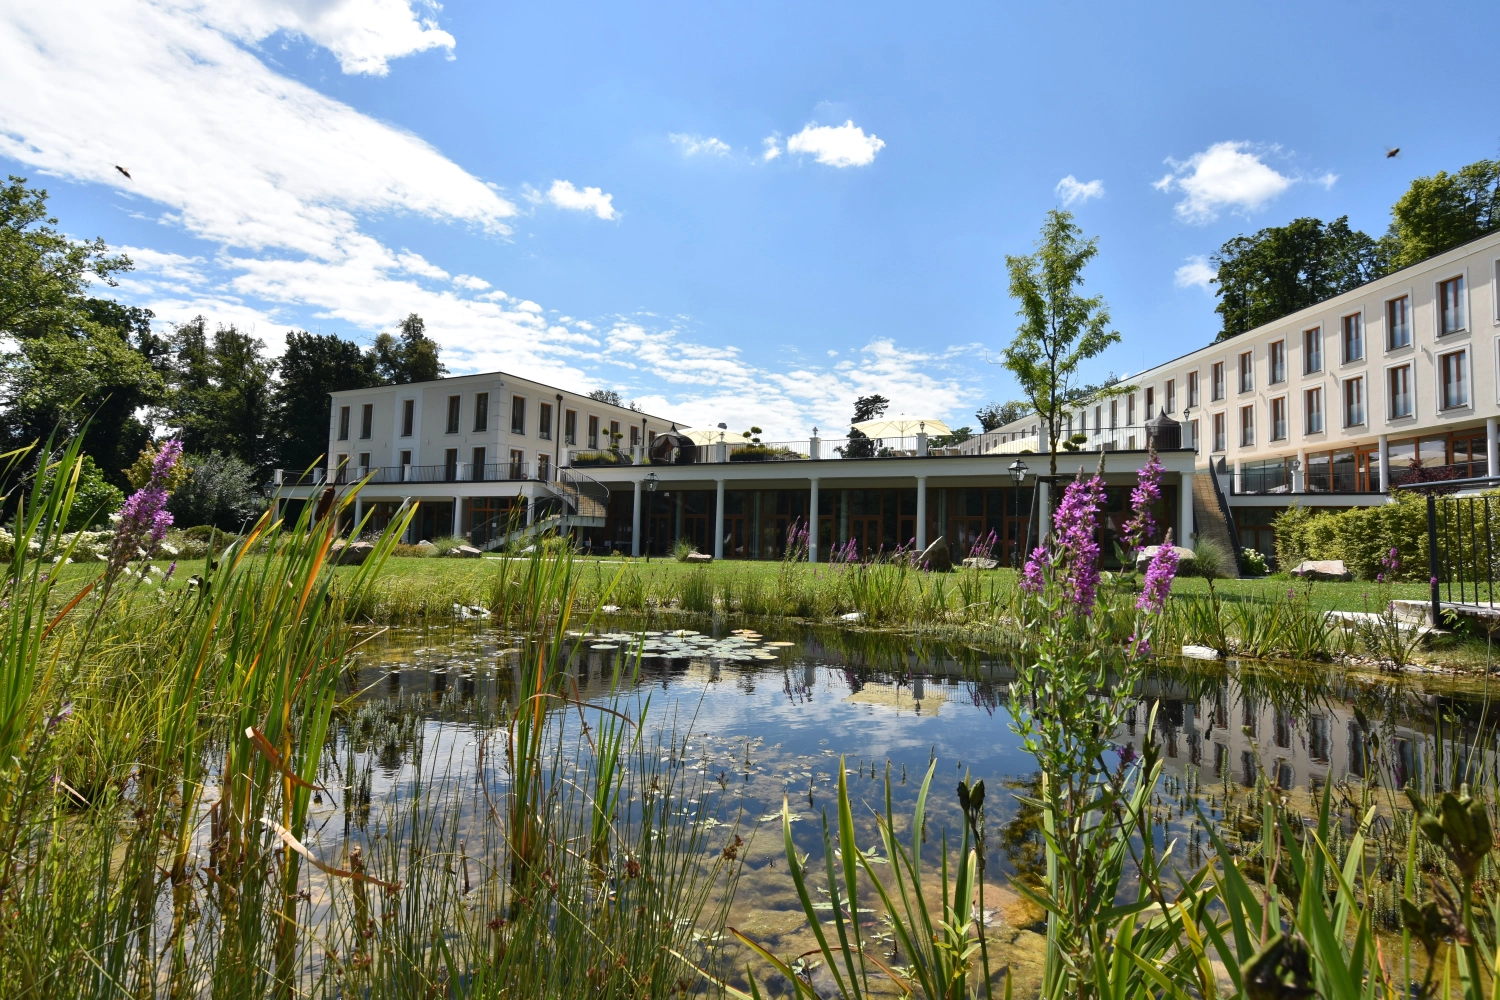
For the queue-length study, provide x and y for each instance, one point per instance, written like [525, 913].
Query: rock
[936, 556]
[979, 562]
[852, 616]
[1200, 653]
[1323, 569]
[699, 557]
[464, 552]
[425, 544]
[342, 553]
[1144, 556]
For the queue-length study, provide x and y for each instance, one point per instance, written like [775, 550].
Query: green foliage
[221, 392]
[993, 415]
[410, 357]
[610, 396]
[1209, 560]
[1060, 329]
[1252, 563]
[311, 367]
[1282, 269]
[1444, 211]
[220, 490]
[94, 498]
[1360, 536]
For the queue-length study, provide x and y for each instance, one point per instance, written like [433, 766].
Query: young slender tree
[1060, 328]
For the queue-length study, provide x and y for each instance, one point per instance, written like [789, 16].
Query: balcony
[462, 472]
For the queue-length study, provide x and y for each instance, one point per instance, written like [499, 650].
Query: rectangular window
[517, 464]
[1312, 402]
[405, 458]
[1150, 402]
[1098, 419]
[450, 465]
[1192, 400]
[635, 435]
[1278, 419]
[1169, 398]
[1247, 371]
[366, 420]
[1221, 435]
[1452, 316]
[1453, 371]
[1216, 389]
[1397, 323]
[1354, 402]
[1354, 338]
[408, 416]
[343, 423]
[1130, 410]
[476, 465]
[1312, 350]
[1278, 361]
[1114, 414]
[1247, 426]
[614, 433]
[518, 414]
[1401, 391]
[1192, 429]
[593, 431]
[570, 427]
[544, 467]
[364, 461]
[453, 405]
[340, 462]
[481, 411]
[544, 421]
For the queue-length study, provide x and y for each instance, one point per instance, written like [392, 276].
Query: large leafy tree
[1444, 211]
[221, 392]
[1060, 328]
[411, 356]
[1281, 269]
[313, 366]
[993, 415]
[865, 408]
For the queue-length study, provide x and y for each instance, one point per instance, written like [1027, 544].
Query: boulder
[343, 553]
[936, 556]
[1200, 653]
[1322, 569]
[464, 552]
[425, 544]
[1144, 556]
[979, 562]
[699, 557]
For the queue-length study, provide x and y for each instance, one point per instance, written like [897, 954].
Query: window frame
[1359, 337]
[593, 431]
[544, 421]
[1194, 389]
[1247, 425]
[1218, 382]
[518, 414]
[1284, 423]
[408, 416]
[1149, 402]
[1438, 312]
[1311, 393]
[570, 427]
[1390, 391]
[1390, 346]
[366, 421]
[1272, 350]
[1364, 408]
[1169, 396]
[1312, 337]
[1467, 380]
[455, 414]
[481, 412]
[1221, 433]
[1245, 369]
[343, 431]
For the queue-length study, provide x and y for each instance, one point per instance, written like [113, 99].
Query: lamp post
[1018, 472]
[651, 482]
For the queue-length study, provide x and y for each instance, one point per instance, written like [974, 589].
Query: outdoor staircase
[575, 501]
[1211, 518]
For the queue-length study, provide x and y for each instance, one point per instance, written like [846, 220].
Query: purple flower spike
[1159, 577]
[1141, 527]
[144, 519]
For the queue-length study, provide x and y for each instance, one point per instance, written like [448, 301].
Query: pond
[752, 719]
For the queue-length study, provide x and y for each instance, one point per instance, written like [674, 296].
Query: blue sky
[582, 193]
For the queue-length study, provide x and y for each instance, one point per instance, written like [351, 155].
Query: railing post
[718, 519]
[812, 522]
[1432, 558]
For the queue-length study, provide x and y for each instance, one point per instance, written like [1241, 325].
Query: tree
[865, 408]
[219, 490]
[1444, 211]
[609, 396]
[1282, 269]
[957, 437]
[221, 392]
[313, 366]
[1060, 329]
[413, 357]
[43, 273]
[870, 407]
[994, 415]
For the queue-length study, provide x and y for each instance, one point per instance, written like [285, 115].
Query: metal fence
[1462, 544]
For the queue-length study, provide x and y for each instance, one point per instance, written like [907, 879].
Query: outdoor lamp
[1018, 471]
[651, 482]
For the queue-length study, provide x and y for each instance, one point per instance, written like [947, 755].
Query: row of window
[478, 458]
[518, 420]
[1453, 393]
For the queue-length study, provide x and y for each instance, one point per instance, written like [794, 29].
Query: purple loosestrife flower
[144, 519]
[1076, 553]
[1034, 578]
[1159, 578]
[1139, 530]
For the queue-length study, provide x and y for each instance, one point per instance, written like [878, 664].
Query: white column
[1044, 513]
[1385, 463]
[1491, 448]
[921, 513]
[815, 446]
[635, 521]
[458, 515]
[1299, 478]
[812, 523]
[1185, 511]
[719, 521]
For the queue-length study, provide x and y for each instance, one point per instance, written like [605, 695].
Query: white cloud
[692, 145]
[1195, 272]
[844, 145]
[363, 34]
[470, 282]
[564, 195]
[416, 264]
[1227, 175]
[773, 148]
[1071, 189]
[1327, 180]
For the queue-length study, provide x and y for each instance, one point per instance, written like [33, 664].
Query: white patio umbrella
[902, 427]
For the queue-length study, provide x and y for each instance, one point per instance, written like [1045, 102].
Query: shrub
[1360, 536]
[1209, 561]
[96, 498]
[1252, 563]
[682, 548]
[220, 491]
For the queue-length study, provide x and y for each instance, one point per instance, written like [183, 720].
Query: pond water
[761, 717]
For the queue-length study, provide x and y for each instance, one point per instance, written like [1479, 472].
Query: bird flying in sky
[1391, 153]
[124, 171]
